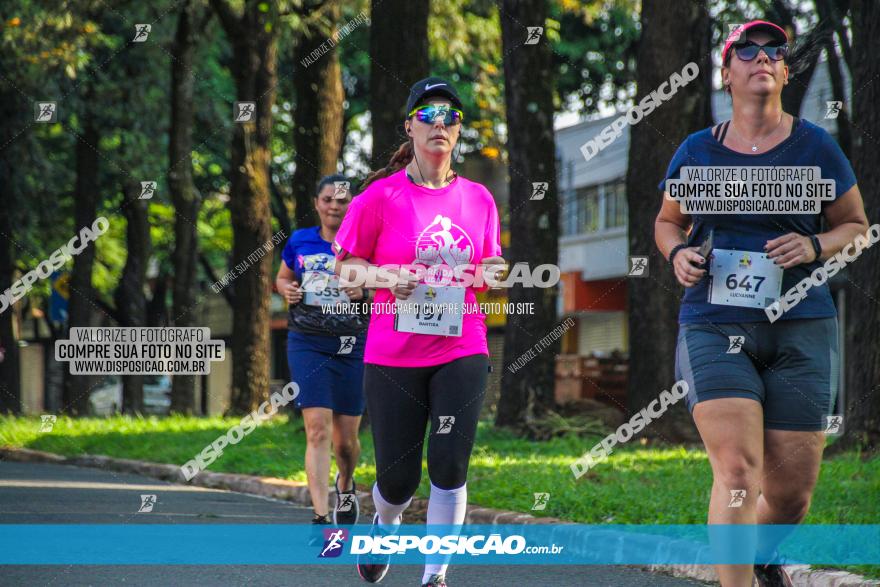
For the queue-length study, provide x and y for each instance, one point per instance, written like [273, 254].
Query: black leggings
[401, 399]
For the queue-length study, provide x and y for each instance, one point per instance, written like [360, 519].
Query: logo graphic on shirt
[444, 245]
[317, 262]
[745, 261]
[333, 541]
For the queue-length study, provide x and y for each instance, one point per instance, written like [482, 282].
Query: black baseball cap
[431, 86]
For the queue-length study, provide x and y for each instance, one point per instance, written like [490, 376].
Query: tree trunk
[808, 47]
[666, 46]
[844, 132]
[157, 309]
[319, 97]
[828, 10]
[279, 208]
[184, 196]
[79, 312]
[398, 59]
[799, 81]
[11, 107]
[253, 37]
[862, 415]
[131, 303]
[534, 224]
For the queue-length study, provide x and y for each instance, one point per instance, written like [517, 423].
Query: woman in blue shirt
[325, 350]
[761, 381]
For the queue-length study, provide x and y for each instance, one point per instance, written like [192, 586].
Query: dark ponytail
[398, 161]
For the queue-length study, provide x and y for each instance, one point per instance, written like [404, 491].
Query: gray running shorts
[790, 366]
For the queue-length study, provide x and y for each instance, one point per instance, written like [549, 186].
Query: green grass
[636, 485]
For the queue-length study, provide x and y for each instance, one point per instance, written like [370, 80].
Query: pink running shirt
[391, 222]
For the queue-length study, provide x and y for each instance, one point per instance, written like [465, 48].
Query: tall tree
[317, 121]
[807, 47]
[666, 46]
[862, 414]
[134, 66]
[43, 50]
[131, 302]
[184, 195]
[13, 106]
[398, 59]
[80, 311]
[528, 92]
[253, 36]
[832, 11]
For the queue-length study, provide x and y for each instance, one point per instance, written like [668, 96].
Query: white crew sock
[446, 507]
[388, 512]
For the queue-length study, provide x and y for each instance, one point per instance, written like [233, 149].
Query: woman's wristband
[817, 246]
[674, 250]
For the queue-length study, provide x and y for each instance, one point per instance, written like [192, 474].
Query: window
[593, 208]
[568, 222]
[588, 209]
[615, 205]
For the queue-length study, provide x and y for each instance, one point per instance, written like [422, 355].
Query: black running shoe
[317, 537]
[772, 576]
[347, 508]
[373, 567]
[436, 581]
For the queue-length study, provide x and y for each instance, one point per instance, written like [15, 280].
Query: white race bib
[431, 309]
[743, 278]
[322, 289]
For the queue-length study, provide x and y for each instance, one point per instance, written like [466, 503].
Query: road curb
[298, 492]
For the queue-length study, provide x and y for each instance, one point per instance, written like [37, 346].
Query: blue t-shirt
[307, 251]
[808, 145]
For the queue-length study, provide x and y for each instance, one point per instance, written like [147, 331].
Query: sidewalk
[40, 493]
[291, 491]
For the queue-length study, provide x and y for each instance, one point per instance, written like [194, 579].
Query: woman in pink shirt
[429, 367]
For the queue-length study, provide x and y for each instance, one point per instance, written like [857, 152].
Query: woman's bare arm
[287, 285]
[670, 230]
[846, 219]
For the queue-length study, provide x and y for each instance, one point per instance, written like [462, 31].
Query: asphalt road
[58, 494]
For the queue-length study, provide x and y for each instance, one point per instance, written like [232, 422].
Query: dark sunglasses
[748, 51]
[428, 114]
